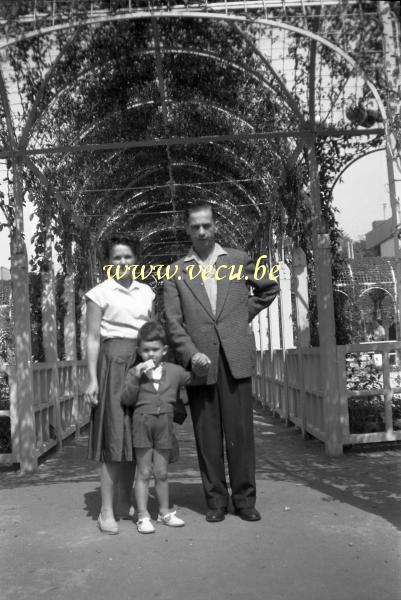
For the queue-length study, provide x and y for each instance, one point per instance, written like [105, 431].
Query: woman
[116, 310]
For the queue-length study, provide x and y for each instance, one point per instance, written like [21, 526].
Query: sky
[29, 229]
[359, 198]
[362, 195]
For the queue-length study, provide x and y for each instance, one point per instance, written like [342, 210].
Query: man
[207, 321]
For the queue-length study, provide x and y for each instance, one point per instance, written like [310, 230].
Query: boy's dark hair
[152, 331]
[197, 206]
[119, 238]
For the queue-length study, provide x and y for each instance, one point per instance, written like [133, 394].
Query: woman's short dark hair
[152, 331]
[119, 238]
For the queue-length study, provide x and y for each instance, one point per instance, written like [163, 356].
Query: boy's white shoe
[171, 520]
[145, 525]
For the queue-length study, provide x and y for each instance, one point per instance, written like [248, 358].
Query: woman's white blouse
[124, 310]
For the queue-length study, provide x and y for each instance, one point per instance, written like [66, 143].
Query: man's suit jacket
[193, 328]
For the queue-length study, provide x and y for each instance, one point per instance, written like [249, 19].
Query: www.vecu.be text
[205, 272]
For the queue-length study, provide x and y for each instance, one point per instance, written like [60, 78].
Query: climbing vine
[103, 87]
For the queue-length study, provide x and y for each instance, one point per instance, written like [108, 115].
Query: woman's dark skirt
[110, 432]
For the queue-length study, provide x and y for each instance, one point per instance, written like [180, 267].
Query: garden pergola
[114, 114]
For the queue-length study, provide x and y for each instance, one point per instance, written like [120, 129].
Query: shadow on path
[367, 479]
[186, 495]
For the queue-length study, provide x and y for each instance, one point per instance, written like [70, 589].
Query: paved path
[330, 530]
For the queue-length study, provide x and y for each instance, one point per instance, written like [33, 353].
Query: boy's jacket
[143, 396]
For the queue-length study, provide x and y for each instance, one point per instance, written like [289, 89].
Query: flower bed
[365, 372]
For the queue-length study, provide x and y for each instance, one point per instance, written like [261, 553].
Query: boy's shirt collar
[160, 370]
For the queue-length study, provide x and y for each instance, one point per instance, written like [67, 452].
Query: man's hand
[200, 364]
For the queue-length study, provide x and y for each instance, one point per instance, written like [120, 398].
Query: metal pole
[70, 336]
[24, 430]
[396, 227]
[327, 328]
[304, 134]
[49, 327]
[324, 287]
[392, 56]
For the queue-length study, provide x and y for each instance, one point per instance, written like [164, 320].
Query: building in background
[5, 274]
[366, 288]
[380, 239]
[5, 295]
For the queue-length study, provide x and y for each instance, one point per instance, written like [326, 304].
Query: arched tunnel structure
[115, 117]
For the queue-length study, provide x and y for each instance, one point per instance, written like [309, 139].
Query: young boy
[151, 387]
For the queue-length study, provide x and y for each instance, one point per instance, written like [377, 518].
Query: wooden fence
[368, 402]
[368, 405]
[58, 406]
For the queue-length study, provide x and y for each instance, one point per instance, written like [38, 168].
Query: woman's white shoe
[108, 526]
[145, 525]
[171, 520]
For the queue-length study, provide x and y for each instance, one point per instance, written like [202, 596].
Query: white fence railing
[58, 406]
[369, 390]
[288, 382]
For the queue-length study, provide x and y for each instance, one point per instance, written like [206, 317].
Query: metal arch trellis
[196, 15]
[184, 164]
[261, 78]
[167, 142]
[133, 185]
[377, 287]
[213, 198]
[183, 14]
[159, 142]
[154, 169]
[233, 228]
[138, 104]
[354, 160]
[308, 134]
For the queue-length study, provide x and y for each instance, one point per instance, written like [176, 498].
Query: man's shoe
[215, 515]
[248, 514]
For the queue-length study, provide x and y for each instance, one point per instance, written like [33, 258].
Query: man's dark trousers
[225, 409]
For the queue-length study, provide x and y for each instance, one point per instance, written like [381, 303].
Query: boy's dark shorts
[152, 431]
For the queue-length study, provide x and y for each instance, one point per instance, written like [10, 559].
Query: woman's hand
[91, 393]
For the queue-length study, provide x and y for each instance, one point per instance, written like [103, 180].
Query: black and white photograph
[200, 300]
